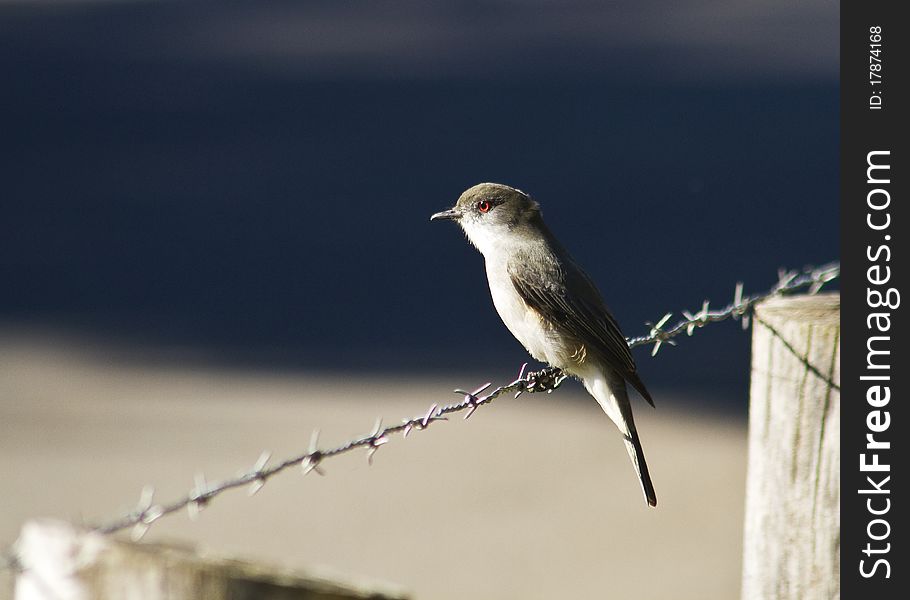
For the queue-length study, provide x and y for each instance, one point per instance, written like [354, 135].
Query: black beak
[449, 215]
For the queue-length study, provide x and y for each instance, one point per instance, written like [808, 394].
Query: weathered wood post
[792, 523]
[62, 562]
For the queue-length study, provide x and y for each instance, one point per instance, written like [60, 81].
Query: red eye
[484, 206]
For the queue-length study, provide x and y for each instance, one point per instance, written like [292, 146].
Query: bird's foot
[545, 380]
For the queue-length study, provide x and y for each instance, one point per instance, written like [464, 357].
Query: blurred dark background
[250, 182]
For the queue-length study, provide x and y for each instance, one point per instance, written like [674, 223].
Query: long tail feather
[633, 446]
[610, 392]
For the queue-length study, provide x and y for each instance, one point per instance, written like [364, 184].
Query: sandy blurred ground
[531, 498]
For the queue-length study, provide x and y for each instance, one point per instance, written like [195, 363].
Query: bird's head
[492, 213]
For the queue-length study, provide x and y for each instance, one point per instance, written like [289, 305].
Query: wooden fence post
[62, 562]
[792, 524]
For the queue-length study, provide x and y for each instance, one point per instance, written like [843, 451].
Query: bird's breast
[523, 322]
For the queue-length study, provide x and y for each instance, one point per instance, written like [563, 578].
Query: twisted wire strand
[147, 512]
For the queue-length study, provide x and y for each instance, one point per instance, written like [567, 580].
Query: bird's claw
[545, 380]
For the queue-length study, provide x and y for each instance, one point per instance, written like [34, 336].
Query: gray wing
[564, 293]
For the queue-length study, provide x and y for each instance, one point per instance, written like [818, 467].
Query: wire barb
[472, 401]
[198, 497]
[310, 461]
[259, 476]
[377, 439]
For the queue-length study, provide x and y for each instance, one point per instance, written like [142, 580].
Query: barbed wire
[147, 512]
[813, 278]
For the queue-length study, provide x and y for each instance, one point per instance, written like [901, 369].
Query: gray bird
[550, 305]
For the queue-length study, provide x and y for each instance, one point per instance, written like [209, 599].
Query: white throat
[493, 241]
